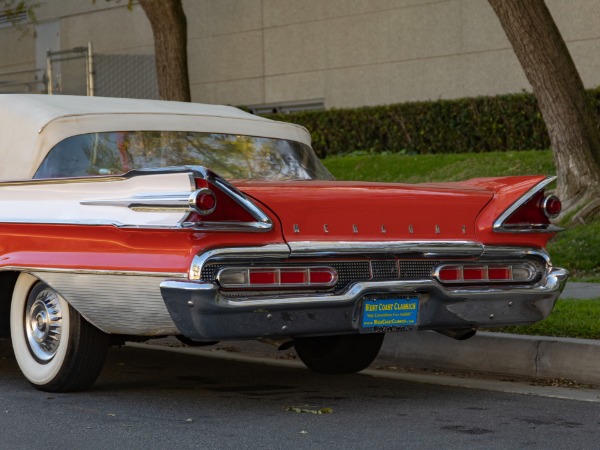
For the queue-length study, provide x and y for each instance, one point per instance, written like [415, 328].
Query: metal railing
[29, 81]
[80, 59]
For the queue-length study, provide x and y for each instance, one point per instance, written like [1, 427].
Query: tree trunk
[563, 102]
[169, 27]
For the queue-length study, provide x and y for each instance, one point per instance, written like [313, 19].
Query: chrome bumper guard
[202, 313]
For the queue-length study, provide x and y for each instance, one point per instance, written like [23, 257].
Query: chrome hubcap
[43, 324]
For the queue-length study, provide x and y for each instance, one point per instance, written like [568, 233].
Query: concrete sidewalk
[581, 291]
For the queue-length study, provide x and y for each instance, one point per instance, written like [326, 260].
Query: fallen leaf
[309, 411]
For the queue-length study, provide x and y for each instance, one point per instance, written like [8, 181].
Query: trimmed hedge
[480, 124]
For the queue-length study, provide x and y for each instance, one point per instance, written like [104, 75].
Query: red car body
[101, 241]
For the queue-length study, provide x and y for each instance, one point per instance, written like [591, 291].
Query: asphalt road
[157, 399]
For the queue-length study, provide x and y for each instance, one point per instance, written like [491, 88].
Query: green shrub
[480, 124]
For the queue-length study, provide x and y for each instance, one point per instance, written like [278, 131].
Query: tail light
[217, 205]
[486, 273]
[530, 213]
[203, 201]
[551, 206]
[277, 277]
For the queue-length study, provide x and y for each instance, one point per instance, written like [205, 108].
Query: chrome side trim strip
[96, 271]
[535, 228]
[426, 249]
[500, 227]
[176, 201]
[517, 252]
[247, 227]
[105, 178]
[266, 252]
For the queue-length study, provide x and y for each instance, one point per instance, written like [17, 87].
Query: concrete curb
[486, 353]
[496, 353]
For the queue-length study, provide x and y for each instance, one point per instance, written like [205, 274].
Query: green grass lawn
[570, 318]
[577, 248]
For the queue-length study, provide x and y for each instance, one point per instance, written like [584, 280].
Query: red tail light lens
[204, 201]
[293, 277]
[552, 206]
[500, 273]
[266, 277]
[450, 274]
[474, 273]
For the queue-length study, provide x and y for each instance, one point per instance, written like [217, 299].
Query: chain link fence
[78, 71]
[129, 76]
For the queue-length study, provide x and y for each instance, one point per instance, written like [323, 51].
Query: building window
[287, 107]
[9, 18]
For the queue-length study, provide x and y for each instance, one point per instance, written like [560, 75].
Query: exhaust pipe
[460, 334]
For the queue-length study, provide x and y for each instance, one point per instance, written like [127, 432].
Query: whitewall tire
[56, 349]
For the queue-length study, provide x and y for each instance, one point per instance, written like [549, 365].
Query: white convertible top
[30, 125]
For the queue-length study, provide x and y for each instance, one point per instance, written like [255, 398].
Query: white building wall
[345, 53]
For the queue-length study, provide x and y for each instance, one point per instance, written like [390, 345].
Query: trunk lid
[362, 211]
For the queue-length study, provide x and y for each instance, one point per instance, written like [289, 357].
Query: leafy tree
[567, 111]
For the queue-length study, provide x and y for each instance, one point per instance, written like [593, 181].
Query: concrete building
[295, 54]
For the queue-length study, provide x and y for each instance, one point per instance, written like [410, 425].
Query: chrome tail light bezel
[207, 182]
[530, 270]
[245, 274]
[501, 224]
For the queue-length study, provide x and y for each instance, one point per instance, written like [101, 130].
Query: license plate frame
[380, 314]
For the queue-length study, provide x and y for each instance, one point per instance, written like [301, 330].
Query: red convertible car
[128, 219]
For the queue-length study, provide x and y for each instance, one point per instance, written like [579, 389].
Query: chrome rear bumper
[202, 313]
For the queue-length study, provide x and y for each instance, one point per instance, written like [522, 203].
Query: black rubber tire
[339, 354]
[81, 350]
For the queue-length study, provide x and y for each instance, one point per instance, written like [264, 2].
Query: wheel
[339, 354]
[56, 349]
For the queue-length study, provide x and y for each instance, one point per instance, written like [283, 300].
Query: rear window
[231, 156]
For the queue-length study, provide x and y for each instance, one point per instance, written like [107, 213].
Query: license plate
[389, 314]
